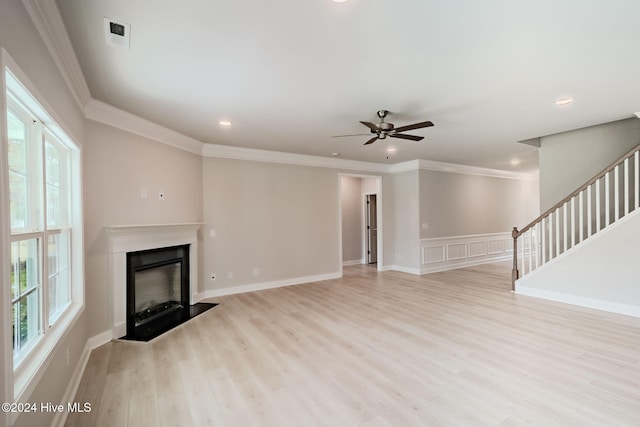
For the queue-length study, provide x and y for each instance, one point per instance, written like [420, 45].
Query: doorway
[360, 220]
[371, 228]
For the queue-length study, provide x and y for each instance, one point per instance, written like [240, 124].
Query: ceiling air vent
[116, 33]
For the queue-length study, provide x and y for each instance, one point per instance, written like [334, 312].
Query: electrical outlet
[212, 277]
[144, 194]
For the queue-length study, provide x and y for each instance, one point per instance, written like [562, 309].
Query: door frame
[365, 213]
[380, 221]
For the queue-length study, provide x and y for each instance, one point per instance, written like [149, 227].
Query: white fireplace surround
[133, 238]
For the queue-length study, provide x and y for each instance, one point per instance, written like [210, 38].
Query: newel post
[515, 274]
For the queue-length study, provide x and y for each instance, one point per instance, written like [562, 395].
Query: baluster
[637, 179]
[607, 201]
[523, 249]
[537, 228]
[626, 194]
[597, 205]
[557, 233]
[565, 231]
[589, 231]
[573, 221]
[616, 193]
[543, 247]
[530, 249]
[581, 215]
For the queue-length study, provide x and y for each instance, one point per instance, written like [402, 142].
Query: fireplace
[162, 259]
[157, 287]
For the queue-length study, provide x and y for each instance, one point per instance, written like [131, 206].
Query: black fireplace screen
[157, 284]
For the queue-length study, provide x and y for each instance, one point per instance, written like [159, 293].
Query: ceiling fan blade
[414, 126]
[371, 141]
[371, 126]
[353, 134]
[402, 136]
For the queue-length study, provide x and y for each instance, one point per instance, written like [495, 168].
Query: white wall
[569, 159]
[600, 273]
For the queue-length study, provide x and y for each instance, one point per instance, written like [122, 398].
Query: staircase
[600, 202]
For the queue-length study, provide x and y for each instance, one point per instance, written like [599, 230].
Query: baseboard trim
[455, 265]
[232, 290]
[96, 341]
[402, 269]
[612, 307]
[352, 262]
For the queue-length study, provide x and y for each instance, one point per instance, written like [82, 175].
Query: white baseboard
[96, 341]
[613, 307]
[425, 269]
[402, 269]
[231, 290]
[353, 262]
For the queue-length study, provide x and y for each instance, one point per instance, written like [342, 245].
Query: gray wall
[23, 43]
[279, 219]
[453, 204]
[404, 197]
[569, 159]
[351, 213]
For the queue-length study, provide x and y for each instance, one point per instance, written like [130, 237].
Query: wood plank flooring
[376, 349]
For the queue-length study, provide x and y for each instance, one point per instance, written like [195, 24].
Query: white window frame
[22, 377]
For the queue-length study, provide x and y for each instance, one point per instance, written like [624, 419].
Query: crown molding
[253, 154]
[432, 165]
[474, 170]
[48, 21]
[101, 112]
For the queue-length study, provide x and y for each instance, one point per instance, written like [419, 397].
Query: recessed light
[564, 101]
[391, 150]
[225, 123]
[515, 162]
[637, 114]
[339, 1]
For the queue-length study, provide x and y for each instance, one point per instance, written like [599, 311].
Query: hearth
[158, 292]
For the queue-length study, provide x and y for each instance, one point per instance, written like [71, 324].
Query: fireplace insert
[158, 292]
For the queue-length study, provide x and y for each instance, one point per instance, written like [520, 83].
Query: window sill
[30, 370]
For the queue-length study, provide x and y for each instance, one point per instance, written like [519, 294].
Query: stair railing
[598, 203]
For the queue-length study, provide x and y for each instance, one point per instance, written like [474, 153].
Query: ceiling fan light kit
[383, 129]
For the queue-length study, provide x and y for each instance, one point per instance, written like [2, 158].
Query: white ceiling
[290, 73]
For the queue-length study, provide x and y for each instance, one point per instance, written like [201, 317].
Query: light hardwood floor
[376, 349]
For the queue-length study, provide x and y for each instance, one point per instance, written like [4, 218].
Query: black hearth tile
[157, 327]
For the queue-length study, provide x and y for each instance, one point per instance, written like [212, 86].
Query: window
[39, 194]
[45, 243]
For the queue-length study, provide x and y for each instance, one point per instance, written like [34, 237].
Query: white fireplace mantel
[133, 238]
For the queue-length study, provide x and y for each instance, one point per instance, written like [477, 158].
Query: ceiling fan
[385, 129]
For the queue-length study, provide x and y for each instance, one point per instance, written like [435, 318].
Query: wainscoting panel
[447, 253]
[477, 249]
